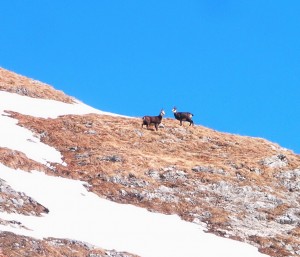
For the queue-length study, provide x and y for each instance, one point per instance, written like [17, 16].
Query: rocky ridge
[240, 187]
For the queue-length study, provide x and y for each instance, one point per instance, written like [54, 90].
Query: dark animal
[183, 116]
[156, 120]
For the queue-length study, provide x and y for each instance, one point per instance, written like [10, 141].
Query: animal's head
[174, 109]
[162, 112]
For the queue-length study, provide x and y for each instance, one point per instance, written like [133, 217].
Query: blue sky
[234, 64]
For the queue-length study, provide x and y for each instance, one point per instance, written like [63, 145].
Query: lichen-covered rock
[276, 161]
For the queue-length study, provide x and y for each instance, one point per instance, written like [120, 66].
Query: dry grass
[15, 159]
[14, 83]
[87, 142]
[12, 245]
[115, 155]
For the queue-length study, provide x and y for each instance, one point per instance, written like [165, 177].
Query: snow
[42, 107]
[80, 215]
[12, 135]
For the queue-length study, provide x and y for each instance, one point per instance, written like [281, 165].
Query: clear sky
[234, 64]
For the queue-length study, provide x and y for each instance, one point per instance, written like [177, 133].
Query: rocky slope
[241, 187]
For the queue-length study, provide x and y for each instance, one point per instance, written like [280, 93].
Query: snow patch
[44, 108]
[15, 137]
[77, 214]
[21, 139]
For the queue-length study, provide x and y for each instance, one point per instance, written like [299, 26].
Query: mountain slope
[243, 188]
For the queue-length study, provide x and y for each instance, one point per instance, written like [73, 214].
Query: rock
[112, 158]
[290, 179]
[128, 181]
[18, 202]
[153, 174]
[222, 187]
[287, 219]
[88, 124]
[163, 194]
[123, 192]
[90, 132]
[21, 91]
[82, 156]
[276, 161]
[165, 189]
[172, 174]
[208, 170]
[138, 132]
[257, 171]
[73, 148]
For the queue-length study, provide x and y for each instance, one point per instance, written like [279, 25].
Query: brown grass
[85, 141]
[101, 148]
[12, 245]
[14, 83]
[15, 160]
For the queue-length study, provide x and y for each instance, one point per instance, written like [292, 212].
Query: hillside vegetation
[241, 187]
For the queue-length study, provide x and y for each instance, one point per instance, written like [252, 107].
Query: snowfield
[77, 214]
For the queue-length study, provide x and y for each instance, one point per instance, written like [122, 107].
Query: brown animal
[156, 120]
[183, 116]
